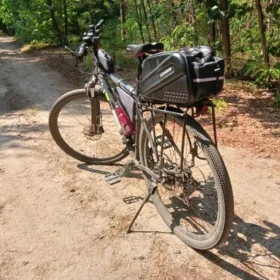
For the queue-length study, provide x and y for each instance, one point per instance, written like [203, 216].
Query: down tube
[109, 97]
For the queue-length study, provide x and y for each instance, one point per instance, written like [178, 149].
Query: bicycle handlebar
[93, 35]
[99, 24]
[68, 49]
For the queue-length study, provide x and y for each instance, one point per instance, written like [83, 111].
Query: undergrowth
[220, 104]
[277, 100]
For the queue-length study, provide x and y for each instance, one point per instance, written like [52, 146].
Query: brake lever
[68, 49]
[98, 31]
[78, 59]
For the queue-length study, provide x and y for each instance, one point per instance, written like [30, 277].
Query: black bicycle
[154, 123]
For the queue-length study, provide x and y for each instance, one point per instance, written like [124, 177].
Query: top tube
[123, 84]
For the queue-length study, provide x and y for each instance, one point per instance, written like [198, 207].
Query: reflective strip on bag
[208, 79]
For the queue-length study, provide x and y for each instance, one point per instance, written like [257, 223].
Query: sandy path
[60, 220]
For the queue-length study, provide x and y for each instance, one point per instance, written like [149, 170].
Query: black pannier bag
[182, 77]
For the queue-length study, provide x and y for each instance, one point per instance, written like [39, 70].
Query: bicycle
[109, 119]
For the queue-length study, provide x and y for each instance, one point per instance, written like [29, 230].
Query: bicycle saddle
[139, 50]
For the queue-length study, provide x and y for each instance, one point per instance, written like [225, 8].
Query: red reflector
[140, 54]
[204, 109]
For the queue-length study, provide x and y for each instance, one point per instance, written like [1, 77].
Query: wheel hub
[90, 130]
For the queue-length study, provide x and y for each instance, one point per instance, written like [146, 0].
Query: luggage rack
[201, 107]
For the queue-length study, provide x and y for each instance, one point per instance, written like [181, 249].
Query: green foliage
[31, 20]
[239, 10]
[176, 23]
[220, 104]
[28, 20]
[263, 75]
[181, 36]
[215, 14]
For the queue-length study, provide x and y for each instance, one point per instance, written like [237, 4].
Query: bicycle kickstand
[151, 191]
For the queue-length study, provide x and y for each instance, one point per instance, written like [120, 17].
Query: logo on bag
[165, 72]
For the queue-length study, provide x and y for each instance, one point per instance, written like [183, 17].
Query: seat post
[139, 70]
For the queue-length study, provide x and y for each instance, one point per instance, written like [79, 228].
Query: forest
[245, 32]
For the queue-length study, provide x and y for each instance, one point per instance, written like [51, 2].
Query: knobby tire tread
[221, 176]
[53, 126]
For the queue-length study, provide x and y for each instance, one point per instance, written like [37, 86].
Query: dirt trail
[60, 220]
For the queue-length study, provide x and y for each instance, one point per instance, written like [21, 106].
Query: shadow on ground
[17, 134]
[91, 168]
[252, 251]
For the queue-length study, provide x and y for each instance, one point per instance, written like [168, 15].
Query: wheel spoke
[70, 125]
[187, 199]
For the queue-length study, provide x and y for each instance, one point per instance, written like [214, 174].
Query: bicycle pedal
[112, 178]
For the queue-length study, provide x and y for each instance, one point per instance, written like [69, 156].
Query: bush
[277, 100]
[263, 76]
[220, 104]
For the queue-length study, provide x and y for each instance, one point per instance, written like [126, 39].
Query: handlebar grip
[98, 31]
[91, 26]
[99, 24]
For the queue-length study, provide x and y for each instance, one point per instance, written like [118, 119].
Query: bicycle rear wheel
[197, 203]
[70, 127]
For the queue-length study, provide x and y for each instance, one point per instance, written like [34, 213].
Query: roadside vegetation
[245, 33]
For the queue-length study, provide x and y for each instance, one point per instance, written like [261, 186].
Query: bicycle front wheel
[70, 127]
[196, 202]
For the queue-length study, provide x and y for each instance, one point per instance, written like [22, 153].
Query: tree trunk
[146, 20]
[226, 35]
[153, 21]
[123, 17]
[189, 13]
[213, 35]
[262, 31]
[55, 25]
[173, 16]
[138, 16]
[212, 40]
[65, 21]
[190, 19]
[270, 19]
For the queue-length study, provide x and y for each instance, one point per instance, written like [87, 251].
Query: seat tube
[136, 117]
[137, 136]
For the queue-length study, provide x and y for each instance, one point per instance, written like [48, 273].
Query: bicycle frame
[138, 121]
[163, 139]
[112, 98]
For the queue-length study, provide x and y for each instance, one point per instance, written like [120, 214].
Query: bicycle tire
[80, 120]
[225, 207]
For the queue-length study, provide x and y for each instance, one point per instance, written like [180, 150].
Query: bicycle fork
[96, 125]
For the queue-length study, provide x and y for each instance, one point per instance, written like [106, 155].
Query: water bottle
[125, 122]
